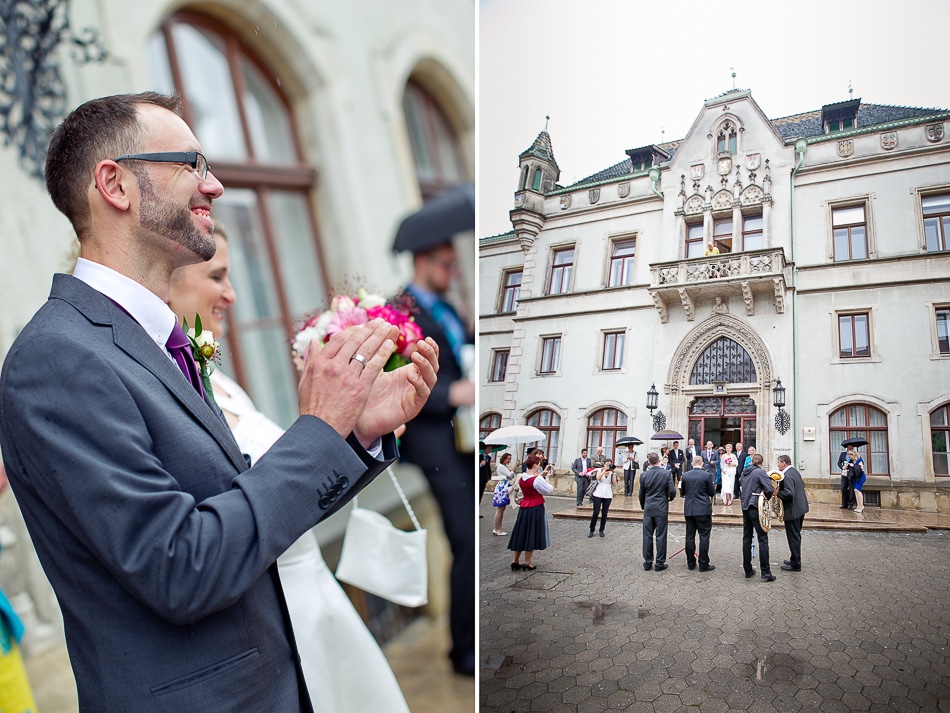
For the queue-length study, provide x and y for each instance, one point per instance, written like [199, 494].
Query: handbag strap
[402, 496]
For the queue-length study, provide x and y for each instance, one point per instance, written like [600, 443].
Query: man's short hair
[583, 450]
[785, 459]
[653, 459]
[676, 443]
[757, 459]
[99, 129]
[698, 461]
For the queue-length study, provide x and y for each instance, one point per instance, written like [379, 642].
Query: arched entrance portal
[720, 380]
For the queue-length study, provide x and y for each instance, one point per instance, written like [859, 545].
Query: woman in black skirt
[530, 532]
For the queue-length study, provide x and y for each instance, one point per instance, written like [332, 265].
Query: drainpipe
[654, 179]
[800, 147]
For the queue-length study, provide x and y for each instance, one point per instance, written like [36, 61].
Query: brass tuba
[771, 508]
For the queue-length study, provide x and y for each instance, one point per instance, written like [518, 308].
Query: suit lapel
[129, 336]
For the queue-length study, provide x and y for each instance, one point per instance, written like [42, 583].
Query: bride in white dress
[345, 670]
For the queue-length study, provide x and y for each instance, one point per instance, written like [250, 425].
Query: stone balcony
[757, 275]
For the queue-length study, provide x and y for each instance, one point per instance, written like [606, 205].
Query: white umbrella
[510, 435]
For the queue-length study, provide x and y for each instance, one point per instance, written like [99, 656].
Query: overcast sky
[621, 74]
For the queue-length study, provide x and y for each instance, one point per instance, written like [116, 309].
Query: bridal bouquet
[346, 311]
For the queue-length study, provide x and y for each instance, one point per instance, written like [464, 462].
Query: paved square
[864, 627]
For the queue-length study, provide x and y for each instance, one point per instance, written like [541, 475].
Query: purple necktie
[179, 347]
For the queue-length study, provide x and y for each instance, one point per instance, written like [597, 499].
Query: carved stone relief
[594, 195]
[623, 190]
[566, 202]
[846, 148]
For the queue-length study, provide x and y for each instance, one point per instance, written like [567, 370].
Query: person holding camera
[603, 494]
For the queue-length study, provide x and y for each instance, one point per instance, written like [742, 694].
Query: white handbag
[382, 559]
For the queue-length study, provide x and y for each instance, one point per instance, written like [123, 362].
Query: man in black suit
[795, 505]
[429, 441]
[741, 455]
[579, 468]
[676, 459]
[755, 484]
[656, 491]
[698, 487]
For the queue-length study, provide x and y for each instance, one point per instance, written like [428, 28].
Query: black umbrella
[629, 440]
[855, 442]
[450, 212]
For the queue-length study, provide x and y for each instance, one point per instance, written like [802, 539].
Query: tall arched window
[488, 423]
[244, 124]
[604, 427]
[860, 421]
[940, 440]
[550, 423]
[726, 138]
[435, 145]
[724, 360]
[536, 184]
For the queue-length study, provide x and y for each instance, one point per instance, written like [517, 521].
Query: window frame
[937, 311]
[614, 341]
[627, 263]
[850, 430]
[618, 429]
[551, 430]
[488, 423]
[943, 221]
[720, 239]
[550, 351]
[431, 121]
[558, 271]
[698, 238]
[945, 430]
[760, 231]
[851, 316]
[507, 290]
[266, 180]
[498, 370]
[863, 203]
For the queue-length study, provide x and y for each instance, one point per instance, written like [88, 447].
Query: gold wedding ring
[360, 358]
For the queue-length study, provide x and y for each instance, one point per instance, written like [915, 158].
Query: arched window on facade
[860, 421]
[726, 138]
[488, 423]
[246, 129]
[435, 143]
[940, 440]
[724, 360]
[604, 427]
[536, 183]
[550, 423]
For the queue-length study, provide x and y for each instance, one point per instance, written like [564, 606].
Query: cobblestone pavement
[864, 626]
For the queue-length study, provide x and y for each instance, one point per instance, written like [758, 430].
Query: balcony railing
[694, 281]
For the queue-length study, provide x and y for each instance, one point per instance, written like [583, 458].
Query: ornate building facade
[781, 282]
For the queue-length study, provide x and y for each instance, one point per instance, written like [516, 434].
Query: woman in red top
[530, 532]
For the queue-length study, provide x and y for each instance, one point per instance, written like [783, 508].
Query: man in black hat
[429, 441]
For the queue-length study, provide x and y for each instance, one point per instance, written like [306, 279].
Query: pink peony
[347, 317]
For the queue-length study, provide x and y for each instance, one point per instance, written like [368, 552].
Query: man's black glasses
[193, 158]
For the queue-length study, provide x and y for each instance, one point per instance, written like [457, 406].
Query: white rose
[341, 302]
[368, 301]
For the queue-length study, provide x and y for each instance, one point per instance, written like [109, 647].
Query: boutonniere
[206, 351]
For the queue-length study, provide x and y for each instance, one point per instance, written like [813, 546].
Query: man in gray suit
[794, 505]
[158, 539]
[579, 468]
[698, 488]
[656, 491]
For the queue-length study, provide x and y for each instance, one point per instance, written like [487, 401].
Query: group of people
[694, 475]
[698, 489]
[723, 462]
